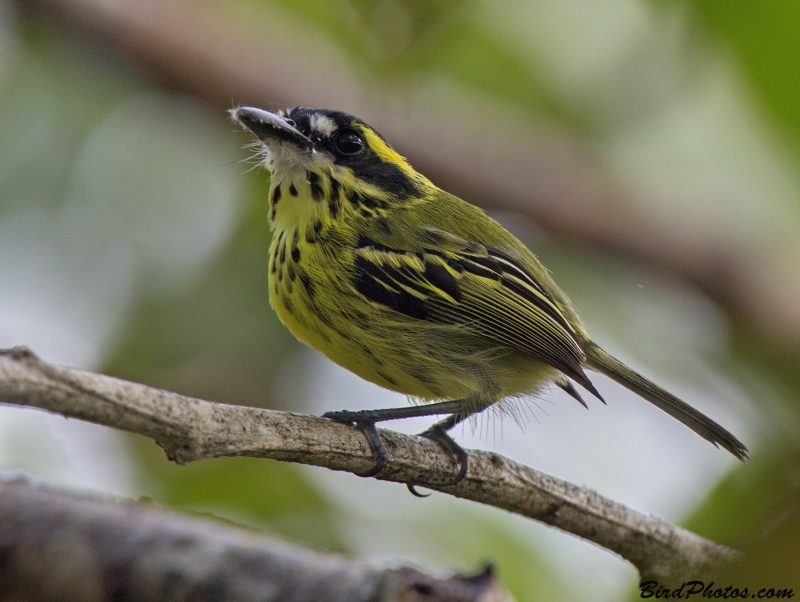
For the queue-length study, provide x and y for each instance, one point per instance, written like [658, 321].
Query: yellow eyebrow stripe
[384, 151]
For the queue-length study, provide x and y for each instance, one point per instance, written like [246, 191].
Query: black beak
[270, 126]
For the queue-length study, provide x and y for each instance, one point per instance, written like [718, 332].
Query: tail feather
[599, 360]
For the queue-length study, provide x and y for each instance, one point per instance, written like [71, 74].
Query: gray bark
[192, 429]
[57, 546]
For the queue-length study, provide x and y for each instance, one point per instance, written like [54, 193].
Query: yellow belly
[425, 361]
[431, 361]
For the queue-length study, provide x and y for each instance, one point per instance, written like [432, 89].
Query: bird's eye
[348, 142]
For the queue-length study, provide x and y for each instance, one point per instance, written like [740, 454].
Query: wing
[428, 274]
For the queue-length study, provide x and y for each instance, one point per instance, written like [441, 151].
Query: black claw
[374, 439]
[413, 489]
[438, 434]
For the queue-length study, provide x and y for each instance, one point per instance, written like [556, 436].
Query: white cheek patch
[287, 162]
[323, 125]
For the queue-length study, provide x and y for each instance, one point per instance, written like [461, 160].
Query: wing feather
[427, 274]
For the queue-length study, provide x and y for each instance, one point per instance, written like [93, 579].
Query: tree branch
[192, 429]
[59, 546]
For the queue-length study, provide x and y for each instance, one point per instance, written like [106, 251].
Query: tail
[599, 360]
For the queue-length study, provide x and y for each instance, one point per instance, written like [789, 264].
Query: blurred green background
[133, 241]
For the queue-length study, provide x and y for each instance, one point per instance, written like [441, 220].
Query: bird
[415, 289]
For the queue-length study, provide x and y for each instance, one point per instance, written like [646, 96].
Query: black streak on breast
[334, 204]
[316, 188]
[276, 196]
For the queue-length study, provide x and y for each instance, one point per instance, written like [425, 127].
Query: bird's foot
[366, 426]
[438, 433]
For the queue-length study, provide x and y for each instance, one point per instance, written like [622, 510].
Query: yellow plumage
[413, 288]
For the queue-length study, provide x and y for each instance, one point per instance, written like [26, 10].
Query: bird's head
[327, 160]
